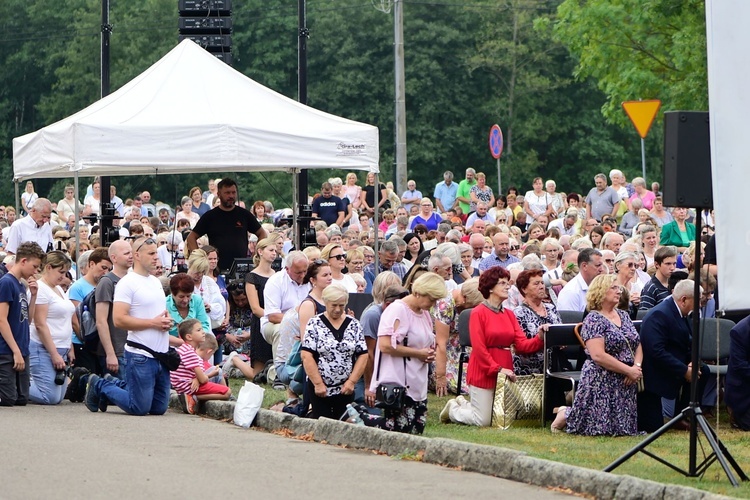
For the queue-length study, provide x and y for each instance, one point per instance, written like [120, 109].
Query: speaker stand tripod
[693, 412]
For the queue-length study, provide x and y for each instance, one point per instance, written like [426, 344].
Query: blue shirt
[78, 292]
[196, 309]
[492, 260]
[446, 194]
[14, 293]
[369, 271]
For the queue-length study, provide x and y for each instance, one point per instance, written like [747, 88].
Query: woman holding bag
[406, 347]
[493, 330]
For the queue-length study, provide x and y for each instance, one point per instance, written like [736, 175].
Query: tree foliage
[468, 65]
[638, 49]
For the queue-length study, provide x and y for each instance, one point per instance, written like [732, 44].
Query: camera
[61, 374]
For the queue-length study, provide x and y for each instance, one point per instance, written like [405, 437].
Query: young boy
[206, 352]
[16, 307]
[189, 380]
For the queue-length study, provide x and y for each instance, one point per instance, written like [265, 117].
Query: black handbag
[390, 396]
[170, 359]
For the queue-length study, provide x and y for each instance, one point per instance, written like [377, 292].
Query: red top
[491, 337]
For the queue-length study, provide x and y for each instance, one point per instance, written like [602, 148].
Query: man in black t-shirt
[328, 207]
[227, 227]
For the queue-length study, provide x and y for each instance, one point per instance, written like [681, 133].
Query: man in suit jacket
[666, 336]
[738, 375]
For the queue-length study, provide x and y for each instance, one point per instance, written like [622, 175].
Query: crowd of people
[515, 259]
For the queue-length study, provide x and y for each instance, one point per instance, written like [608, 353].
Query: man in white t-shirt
[139, 307]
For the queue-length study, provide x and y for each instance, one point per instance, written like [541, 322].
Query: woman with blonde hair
[207, 288]
[402, 361]
[336, 257]
[355, 261]
[255, 283]
[51, 335]
[352, 190]
[605, 400]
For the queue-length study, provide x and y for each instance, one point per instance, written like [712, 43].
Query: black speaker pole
[105, 223]
[693, 412]
[303, 35]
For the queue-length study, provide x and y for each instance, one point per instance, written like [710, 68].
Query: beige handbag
[519, 400]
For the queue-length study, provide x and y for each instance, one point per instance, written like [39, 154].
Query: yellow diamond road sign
[642, 114]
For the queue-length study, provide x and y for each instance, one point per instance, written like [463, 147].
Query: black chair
[358, 302]
[709, 346]
[464, 340]
[570, 316]
[557, 337]
[641, 314]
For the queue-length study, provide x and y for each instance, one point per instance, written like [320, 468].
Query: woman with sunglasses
[493, 330]
[50, 332]
[336, 257]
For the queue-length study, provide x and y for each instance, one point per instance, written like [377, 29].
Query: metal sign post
[642, 114]
[496, 148]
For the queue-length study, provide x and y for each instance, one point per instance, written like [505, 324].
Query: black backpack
[86, 314]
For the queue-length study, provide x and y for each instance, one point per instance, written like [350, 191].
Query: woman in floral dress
[605, 402]
[444, 373]
[531, 314]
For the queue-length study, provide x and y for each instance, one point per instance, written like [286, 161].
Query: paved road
[67, 452]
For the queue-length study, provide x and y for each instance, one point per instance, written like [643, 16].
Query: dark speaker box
[687, 160]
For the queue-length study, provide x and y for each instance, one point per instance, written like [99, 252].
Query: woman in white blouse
[207, 288]
[51, 333]
[537, 202]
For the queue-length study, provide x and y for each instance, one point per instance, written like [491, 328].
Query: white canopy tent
[190, 112]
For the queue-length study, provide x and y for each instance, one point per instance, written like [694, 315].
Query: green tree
[638, 49]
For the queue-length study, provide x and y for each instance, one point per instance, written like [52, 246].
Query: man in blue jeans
[140, 308]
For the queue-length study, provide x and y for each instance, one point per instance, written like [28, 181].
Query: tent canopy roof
[190, 112]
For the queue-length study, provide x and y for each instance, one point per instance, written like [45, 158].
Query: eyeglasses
[505, 284]
[515, 247]
[502, 220]
[341, 256]
[421, 232]
[630, 264]
[609, 261]
[319, 262]
[63, 238]
[147, 241]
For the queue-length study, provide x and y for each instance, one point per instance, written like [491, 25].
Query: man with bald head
[34, 227]
[111, 350]
[476, 241]
[478, 227]
[501, 256]
[613, 241]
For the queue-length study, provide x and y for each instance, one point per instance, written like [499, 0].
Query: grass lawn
[592, 452]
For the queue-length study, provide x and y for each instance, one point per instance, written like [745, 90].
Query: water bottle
[353, 415]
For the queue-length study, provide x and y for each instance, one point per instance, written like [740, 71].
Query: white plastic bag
[248, 403]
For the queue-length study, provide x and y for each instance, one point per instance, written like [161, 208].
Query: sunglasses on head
[147, 241]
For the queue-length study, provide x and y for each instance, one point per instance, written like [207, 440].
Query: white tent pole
[78, 234]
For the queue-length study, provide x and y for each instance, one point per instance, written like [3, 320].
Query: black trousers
[330, 407]
[650, 413]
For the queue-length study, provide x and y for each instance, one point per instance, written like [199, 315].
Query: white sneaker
[445, 414]
[226, 368]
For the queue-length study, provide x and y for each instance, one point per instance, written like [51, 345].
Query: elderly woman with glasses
[626, 276]
[426, 216]
[493, 330]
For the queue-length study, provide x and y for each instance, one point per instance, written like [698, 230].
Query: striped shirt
[183, 376]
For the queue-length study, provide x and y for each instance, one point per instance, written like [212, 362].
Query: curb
[489, 460]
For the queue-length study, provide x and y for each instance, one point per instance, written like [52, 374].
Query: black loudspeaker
[687, 160]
